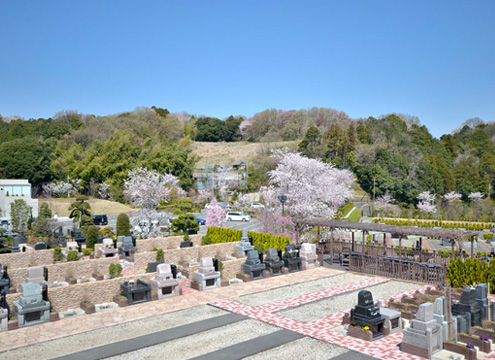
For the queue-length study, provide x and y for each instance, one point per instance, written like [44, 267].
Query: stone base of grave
[195, 286]
[121, 301]
[415, 350]
[225, 283]
[468, 353]
[484, 345]
[346, 320]
[243, 277]
[87, 308]
[359, 333]
[154, 296]
[54, 316]
[12, 290]
[13, 324]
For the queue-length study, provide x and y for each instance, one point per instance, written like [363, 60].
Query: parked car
[257, 206]
[237, 216]
[200, 221]
[100, 220]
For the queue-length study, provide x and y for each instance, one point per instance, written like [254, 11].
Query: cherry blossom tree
[147, 189]
[452, 196]
[272, 222]
[242, 201]
[386, 202]
[314, 189]
[475, 196]
[104, 190]
[62, 189]
[426, 202]
[215, 214]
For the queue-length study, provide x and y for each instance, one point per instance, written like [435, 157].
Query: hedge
[219, 235]
[470, 273]
[476, 226]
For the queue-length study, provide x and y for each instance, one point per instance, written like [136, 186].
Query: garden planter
[359, 333]
[469, 353]
[225, 283]
[154, 296]
[121, 301]
[12, 290]
[88, 308]
[267, 275]
[54, 316]
[13, 324]
[346, 320]
[484, 345]
[476, 330]
[71, 280]
[98, 277]
[409, 300]
[195, 286]
[488, 324]
[408, 316]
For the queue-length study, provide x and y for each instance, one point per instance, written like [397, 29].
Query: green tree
[311, 146]
[185, 223]
[92, 233]
[123, 225]
[45, 212]
[20, 213]
[79, 209]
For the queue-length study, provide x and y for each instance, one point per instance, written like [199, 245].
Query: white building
[11, 190]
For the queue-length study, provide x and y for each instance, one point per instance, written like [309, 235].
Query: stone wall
[173, 256]
[27, 259]
[69, 297]
[167, 243]
[229, 271]
[59, 271]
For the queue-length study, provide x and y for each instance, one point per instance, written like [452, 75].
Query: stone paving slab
[62, 328]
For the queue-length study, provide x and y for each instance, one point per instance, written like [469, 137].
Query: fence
[403, 270]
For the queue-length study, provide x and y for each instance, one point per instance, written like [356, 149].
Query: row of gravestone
[432, 323]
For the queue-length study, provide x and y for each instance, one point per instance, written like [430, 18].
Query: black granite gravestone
[468, 304]
[366, 313]
[291, 258]
[136, 291]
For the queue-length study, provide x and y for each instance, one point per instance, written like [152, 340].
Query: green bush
[115, 270]
[160, 256]
[488, 236]
[206, 240]
[123, 225]
[87, 251]
[92, 234]
[72, 256]
[259, 247]
[57, 253]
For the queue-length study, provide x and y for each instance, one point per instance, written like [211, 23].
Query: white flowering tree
[243, 201]
[62, 189]
[452, 196]
[386, 202]
[146, 189]
[215, 214]
[314, 189]
[475, 196]
[104, 191]
[427, 202]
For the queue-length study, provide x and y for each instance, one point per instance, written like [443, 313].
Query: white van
[237, 216]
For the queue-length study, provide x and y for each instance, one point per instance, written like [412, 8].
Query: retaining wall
[27, 259]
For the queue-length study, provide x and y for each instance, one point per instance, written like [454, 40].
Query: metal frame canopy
[451, 234]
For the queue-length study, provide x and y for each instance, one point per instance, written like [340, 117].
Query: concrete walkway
[77, 325]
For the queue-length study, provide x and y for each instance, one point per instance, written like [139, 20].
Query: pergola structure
[451, 234]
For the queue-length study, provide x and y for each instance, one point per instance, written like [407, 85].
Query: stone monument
[309, 259]
[15, 245]
[32, 307]
[4, 279]
[38, 275]
[291, 258]
[165, 283]
[366, 313]
[245, 245]
[4, 311]
[108, 248]
[127, 249]
[468, 304]
[207, 276]
[136, 291]
[253, 266]
[424, 336]
[273, 262]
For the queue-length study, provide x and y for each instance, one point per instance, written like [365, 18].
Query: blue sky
[431, 59]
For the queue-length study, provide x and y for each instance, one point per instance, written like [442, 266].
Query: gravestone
[366, 313]
[136, 291]
[468, 304]
[253, 265]
[309, 259]
[4, 279]
[165, 283]
[291, 258]
[152, 266]
[32, 307]
[15, 245]
[108, 248]
[482, 299]
[463, 323]
[41, 246]
[424, 336]
[38, 275]
[273, 262]
[439, 313]
[4, 311]
[206, 277]
[127, 249]
[245, 245]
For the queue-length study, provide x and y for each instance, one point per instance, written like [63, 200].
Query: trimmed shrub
[92, 236]
[72, 256]
[123, 225]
